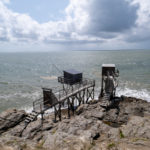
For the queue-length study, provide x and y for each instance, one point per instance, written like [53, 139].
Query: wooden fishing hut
[109, 80]
[70, 77]
[74, 88]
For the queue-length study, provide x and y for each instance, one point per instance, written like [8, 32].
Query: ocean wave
[30, 97]
[27, 109]
[142, 94]
[25, 95]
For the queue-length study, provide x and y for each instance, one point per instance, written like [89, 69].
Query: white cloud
[101, 22]
[141, 33]
[5, 1]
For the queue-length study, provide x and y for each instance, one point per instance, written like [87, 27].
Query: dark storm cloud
[111, 16]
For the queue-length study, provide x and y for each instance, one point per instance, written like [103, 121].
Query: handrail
[61, 94]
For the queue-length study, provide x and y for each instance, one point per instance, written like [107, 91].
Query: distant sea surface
[23, 74]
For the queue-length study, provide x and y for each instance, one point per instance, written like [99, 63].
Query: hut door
[47, 97]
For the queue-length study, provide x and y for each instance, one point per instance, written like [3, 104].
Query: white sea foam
[143, 94]
[27, 109]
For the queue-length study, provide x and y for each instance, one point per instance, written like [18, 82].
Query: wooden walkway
[56, 98]
[80, 93]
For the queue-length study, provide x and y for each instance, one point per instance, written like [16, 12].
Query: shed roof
[72, 71]
[108, 65]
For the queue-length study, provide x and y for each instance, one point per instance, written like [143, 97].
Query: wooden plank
[75, 92]
[36, 104]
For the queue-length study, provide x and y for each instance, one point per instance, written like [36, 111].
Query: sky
[50, 25]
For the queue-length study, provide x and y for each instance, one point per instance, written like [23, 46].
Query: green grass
[121, 134]
[111, 145]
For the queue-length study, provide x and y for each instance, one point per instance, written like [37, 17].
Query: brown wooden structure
[81, 92]
[108, 84]
[109, 80]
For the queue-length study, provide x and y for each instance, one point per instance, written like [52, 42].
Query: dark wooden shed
[108, 68]
[72, 76]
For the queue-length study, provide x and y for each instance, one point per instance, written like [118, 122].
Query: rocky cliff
[123, 126]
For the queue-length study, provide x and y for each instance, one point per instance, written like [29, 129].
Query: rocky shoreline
[124, 126]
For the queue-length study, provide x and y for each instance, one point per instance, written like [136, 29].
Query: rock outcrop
[123, 126]
[11, 118]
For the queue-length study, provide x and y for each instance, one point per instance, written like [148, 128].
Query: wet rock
[10, 119]
[137, 127]
[81, 109]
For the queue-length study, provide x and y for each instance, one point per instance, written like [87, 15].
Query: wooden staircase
[105, 101]
[31, 117]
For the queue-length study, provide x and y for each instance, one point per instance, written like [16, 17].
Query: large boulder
[11, 118]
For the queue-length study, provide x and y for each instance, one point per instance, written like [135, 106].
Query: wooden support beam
[102, 88]
[72, 104]
[93, 92]
[55, 112]
[59, 112]
[87, 95]
[90, 94]
[78, 97]
[68, 102]
[83, 96]
[80, 92]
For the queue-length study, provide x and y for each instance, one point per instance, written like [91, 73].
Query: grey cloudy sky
[74, 25]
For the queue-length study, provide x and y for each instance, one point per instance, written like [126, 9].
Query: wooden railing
[61, 94]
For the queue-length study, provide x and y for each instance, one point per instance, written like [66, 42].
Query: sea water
[22, 75]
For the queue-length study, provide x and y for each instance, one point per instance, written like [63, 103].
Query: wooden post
[79, 99]
[33, 106]
[72, 105]
[101, 94]
[93, 92]
[83, 96]
[55, 113]
[87, 95]
[59, 111]
[68, 101]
